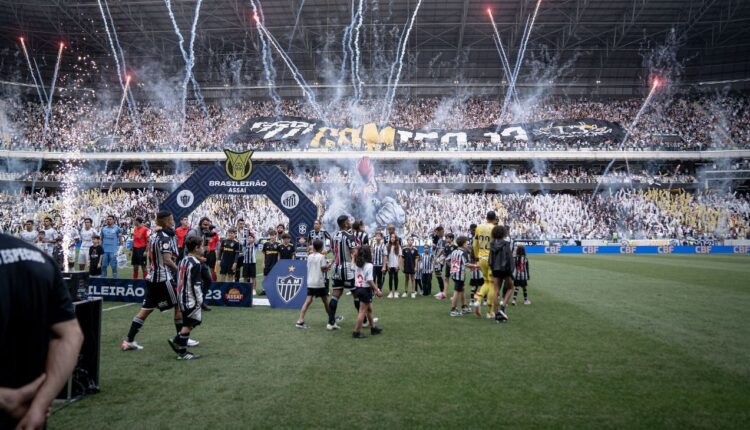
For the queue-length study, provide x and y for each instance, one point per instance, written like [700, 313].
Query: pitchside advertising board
[639, 250]
[238, 176]
[133, 290]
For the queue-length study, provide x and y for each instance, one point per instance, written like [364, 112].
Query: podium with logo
[286, 284]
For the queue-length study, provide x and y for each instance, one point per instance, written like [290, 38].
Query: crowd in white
[628, 214]
[90, 124]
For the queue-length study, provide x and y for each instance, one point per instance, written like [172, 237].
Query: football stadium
[374, 214]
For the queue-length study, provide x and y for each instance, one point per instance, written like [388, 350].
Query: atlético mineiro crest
[288, 287]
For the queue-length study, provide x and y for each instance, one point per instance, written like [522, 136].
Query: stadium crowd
[628, 214]
[423, 175]
[88, 124]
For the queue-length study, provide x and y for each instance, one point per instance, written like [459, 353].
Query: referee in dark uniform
[37, 321]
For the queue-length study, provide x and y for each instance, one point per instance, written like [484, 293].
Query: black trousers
[377, 273]
[426, 284]
[393, 278]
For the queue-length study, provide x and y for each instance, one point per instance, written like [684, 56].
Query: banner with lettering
[304, 133]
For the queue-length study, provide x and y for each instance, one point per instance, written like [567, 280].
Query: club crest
[288, 287]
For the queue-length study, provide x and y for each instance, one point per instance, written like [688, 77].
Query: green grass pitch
[609, 342]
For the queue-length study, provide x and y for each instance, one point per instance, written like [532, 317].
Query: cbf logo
[288, 286]
[238, 165]
[302, 228]
[290, 199]
[185, 198]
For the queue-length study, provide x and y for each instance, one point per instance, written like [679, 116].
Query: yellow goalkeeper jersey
[483, 240]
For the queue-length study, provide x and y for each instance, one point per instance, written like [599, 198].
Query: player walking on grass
[459, 261]
[190, 279]
[501, 262]
[316, 266]
[160, 293]
[344, 245]
[521, 275]
[481, 248]
[364, 289]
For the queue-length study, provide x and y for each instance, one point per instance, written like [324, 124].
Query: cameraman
[205, 231]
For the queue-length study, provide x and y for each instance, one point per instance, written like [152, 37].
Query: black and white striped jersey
[189, 283]
[362, 238]
[322, 235]
[426, 264]
[458, 260]
[476, 273]
[249, 253]
[343, 244]
[162, 245]
[378, 254]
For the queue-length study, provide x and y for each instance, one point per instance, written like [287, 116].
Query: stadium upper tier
[89, 124]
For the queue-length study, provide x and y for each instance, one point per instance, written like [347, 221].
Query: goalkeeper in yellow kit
[481, 248]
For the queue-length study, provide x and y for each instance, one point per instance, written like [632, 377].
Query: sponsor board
[134, 290]
[645, 250]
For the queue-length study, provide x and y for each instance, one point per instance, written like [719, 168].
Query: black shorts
[248, 270]
[159, 295]
[211, 259]
[225, 268]
[447, 270]
[192, 317]
[317, 292]
[520, 283]
[339, 284]
[476, 282]
[502, 274]
[408, 272]
[138, 258]
[267, 269]
[363, 294]
[458, 285]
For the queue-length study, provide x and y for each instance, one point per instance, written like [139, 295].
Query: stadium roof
[591, 44]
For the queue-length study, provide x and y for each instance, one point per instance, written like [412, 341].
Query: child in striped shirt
[459, 261]
[426, 267]
[521, 275]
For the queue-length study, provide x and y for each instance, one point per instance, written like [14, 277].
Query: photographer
[205, 232]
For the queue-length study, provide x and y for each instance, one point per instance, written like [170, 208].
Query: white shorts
[83, 256]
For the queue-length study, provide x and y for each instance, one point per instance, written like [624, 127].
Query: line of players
[353, 269]
[99, 248]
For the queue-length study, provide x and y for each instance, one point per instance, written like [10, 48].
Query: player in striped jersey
[476, 280]
[344, 245]
[160, 293]
[190, 279]
[459, 261]
[378, 256]
[249, 260]
[360, 235]
[481, 248]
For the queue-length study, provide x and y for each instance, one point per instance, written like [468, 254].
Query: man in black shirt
[229, 252]
[37, 321]
[286, 249]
